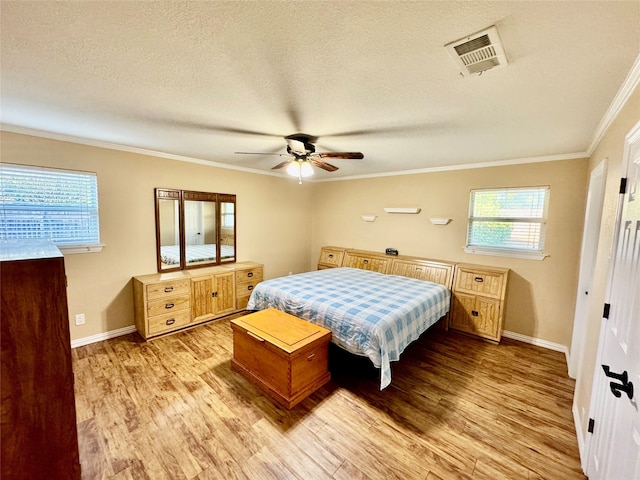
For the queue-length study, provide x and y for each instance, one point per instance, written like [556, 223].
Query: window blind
[46, 203]
[511, 218]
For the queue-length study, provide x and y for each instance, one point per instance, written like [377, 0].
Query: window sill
[498, 252]
[69, 249]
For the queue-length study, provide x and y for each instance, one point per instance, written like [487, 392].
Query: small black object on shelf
[391, 251]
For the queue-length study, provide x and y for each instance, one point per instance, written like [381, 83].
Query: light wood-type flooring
[457, 408]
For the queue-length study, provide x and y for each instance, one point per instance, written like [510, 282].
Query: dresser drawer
[242, 302]
[479, 282]
[249, 275]
[168, 305]
[246, 288]
[169, 321]
[165, 289]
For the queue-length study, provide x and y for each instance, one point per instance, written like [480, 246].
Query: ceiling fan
[303, 155]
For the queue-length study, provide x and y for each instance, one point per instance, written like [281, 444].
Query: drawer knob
[168, 289]
[171, 321]
[474, 313]
[311, 357]
[478, 279]
[250, 287]
[331, 255]
[250, 274]
[169, 305]
[366, 261]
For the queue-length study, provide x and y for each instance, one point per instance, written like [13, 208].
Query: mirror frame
[188, 195]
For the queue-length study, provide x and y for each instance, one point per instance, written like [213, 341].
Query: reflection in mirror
[194, 229]
[200, 232]
[168, 229]
[227, 230]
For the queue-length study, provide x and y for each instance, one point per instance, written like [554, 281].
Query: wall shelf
[402, 210]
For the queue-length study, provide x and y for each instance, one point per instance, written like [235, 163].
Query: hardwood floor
[457, 408]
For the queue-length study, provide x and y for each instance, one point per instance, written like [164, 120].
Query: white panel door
[590, 236]
[193, 223]
[615, 447]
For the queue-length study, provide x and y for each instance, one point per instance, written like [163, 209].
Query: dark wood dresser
[38, 422]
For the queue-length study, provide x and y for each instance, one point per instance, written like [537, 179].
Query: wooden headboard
[414, 267]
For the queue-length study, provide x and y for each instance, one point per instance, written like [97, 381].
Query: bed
[369, 313]
[170, 254]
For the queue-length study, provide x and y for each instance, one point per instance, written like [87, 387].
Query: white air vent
[478, 52]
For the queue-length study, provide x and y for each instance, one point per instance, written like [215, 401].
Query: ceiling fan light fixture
[300, 169]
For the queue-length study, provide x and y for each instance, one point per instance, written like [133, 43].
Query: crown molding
[466, 166]
[181, 158]
[125, 148]
[628, 86]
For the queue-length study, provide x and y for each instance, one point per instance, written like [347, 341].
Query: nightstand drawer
[480, 282]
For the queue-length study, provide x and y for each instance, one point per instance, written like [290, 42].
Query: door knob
[617, 388]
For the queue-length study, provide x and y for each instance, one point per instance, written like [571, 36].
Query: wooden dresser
[479, 298]
[166, 302]
[39, 436]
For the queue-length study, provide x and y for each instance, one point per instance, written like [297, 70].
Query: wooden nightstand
[479, 298]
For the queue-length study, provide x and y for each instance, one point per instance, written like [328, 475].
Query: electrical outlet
[80, 320]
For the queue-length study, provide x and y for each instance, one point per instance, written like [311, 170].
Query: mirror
[168, 229]
[227, 228]
[194, 229]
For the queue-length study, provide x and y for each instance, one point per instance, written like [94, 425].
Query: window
[508, 221]
[47, 203]
[228, 214]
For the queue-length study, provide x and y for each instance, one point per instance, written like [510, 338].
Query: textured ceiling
[206, 79]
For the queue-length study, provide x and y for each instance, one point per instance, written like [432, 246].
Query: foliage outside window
[508, 221]
[51, 204]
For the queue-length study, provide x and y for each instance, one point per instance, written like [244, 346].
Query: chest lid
[279, 328]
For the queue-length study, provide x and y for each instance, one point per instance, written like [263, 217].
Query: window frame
[530, 254]
[93, 219]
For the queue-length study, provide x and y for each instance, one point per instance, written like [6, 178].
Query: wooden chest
[285, 356]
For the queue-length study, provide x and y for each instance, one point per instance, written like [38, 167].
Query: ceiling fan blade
[323, 165]
[280, 165]
[343, 155]
[302, 137]
[407, 129]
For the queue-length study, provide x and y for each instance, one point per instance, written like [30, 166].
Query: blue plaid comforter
[368, 313]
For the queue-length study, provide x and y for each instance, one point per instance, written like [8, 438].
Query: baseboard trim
[537, 341]
[102, 336]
